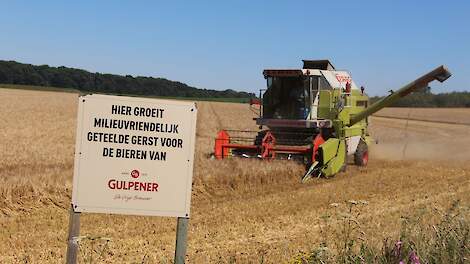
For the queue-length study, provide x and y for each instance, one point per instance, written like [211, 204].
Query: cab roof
[311, 67]
[336, 78]
[318, 65]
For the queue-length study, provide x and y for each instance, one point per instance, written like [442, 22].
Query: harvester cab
[295, 94]
[316, 115]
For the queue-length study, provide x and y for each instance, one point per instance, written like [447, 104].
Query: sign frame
[80, 161]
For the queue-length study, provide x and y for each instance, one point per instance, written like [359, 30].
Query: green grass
[70, 90]
[446, 240]
[38, 88]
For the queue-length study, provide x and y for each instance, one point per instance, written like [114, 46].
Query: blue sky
[227, 44]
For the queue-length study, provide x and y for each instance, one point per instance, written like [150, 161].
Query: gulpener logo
[135, 174]
[132, 185]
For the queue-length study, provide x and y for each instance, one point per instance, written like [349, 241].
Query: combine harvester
[316, 115]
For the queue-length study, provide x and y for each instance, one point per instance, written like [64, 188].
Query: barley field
[243, 211]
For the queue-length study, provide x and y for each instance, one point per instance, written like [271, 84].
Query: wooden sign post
[181, 239]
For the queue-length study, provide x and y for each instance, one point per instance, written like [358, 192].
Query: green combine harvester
[316, 115]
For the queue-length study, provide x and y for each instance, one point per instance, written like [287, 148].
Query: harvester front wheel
[361, 157]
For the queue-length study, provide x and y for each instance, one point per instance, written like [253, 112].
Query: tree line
[426, 98]
[12, 72]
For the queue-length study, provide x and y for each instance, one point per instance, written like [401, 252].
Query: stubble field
[243, 211]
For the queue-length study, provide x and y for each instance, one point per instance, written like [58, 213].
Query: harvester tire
[361, 157]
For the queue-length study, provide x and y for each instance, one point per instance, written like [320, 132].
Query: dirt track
[401, 139]
[241, 210]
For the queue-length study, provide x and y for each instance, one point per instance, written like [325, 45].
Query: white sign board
[134, 156]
